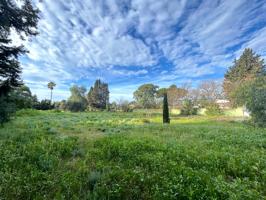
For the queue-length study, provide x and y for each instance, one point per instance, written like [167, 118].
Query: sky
[127, 43]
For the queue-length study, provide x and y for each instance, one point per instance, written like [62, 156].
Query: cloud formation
[130, 42]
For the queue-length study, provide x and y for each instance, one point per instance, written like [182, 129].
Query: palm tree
[51, 86]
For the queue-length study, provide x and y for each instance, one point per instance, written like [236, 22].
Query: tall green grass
[62, 155]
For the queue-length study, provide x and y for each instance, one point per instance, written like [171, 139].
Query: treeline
[96, 99]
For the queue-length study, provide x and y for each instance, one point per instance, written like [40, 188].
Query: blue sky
[130, 42]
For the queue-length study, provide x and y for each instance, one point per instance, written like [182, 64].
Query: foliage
[252, 94]
[175, 95]
[98, 96]
[124, 106]
[166, 118]
[23, 98]
[24, 21]
[77, 101]
[188, 108]
[247, 68]
[210, 91]
[51, 86]
[256, 101]
[106, 155]
[145, 95]
[44, 104]
[62, 105]
[7, 109]
[213, 109]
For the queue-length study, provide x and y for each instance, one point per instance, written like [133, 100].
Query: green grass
[100, 155]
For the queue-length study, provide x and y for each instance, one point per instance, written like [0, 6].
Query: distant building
[223, 103]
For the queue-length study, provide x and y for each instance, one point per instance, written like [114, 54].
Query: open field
[100, 155]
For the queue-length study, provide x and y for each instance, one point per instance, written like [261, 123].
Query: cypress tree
[166, 118]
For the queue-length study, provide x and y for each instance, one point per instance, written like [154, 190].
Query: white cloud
[126, 39]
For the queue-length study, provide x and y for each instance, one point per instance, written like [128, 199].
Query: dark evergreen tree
[166, 118]
[98, 96]
[23, 19]
[247, 68]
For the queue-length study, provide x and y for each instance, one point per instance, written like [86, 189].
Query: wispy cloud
[129, 42]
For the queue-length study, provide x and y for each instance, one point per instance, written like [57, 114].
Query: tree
[23, 20]
[247, 68]
[145, 95]
[98, 96]
[252, 94]
[51, 86]
[23, 98]
[175, 95]
[209, 91]
[77, 101]
[166, 118]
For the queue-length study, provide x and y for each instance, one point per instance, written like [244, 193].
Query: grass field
[100, 155]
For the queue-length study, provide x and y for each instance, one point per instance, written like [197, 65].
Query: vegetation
[24, 21]
[77, 101]
[105, 155]
[252, 94]
[188, 108]
[51, 86]
[49, 153]
[166, 118]
[98, 96]
[145, 95]
[247, 68]
[213, 109]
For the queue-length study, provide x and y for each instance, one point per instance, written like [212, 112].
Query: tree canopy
[77, 101]
[145, 95]
[247, 68]
[23, 20]
[98, 96]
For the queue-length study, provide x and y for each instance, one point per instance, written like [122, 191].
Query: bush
[256, 101]
[44, 105]
[188, 108]
[213, 109]
[76, 106]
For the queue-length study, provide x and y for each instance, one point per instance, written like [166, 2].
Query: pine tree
[247, 68]
[166, 118]
[24, 21]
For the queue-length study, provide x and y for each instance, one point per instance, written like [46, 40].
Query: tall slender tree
[51, 86]
[166, 118]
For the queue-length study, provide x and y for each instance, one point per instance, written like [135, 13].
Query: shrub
[76, 106]
[213, 109]
[256, 101]
[44, 105]
[188, 108]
